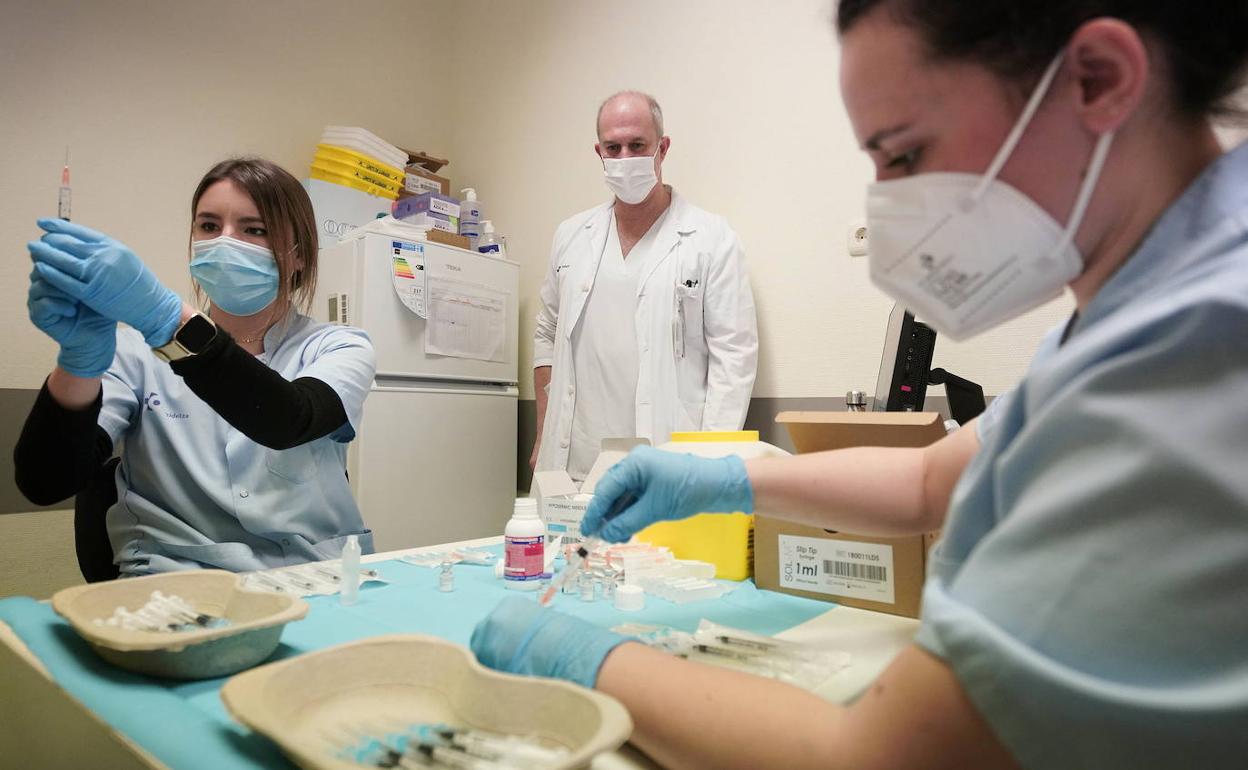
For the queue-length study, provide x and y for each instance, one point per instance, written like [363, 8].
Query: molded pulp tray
[415, 679]
[256, 620]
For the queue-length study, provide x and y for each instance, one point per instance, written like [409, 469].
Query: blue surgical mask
[240, 278]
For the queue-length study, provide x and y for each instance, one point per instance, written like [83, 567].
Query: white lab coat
[697, 335]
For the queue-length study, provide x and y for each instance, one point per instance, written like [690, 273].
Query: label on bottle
[524, 558]
[489, 248]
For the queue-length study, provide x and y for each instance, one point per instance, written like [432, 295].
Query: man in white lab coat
[647, 323]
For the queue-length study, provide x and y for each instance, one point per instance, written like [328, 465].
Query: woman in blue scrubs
[1087, 606]
[232, 423]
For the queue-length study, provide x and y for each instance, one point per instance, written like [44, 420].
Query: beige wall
[149, 94]
[750, 98]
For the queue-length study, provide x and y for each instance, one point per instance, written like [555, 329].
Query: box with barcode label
[874, 573]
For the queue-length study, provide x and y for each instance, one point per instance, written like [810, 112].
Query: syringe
[63, 203]
[576, 559]
[570, 570]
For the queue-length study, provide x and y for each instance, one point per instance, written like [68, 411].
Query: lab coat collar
[676, 224]
[677, 216]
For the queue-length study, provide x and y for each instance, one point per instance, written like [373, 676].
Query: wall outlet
[856, 239]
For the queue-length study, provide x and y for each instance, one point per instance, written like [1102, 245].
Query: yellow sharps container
[723, 539]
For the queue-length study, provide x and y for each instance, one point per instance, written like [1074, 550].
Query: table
[46, 727]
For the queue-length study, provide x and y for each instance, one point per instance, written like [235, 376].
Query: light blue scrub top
[1091, 588]
[192, 491]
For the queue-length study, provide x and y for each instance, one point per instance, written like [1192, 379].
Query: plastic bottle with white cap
[524, 547]
[350, 570]
[487, 242]
[471, 212]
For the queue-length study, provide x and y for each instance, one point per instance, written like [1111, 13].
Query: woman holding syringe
[232, 420]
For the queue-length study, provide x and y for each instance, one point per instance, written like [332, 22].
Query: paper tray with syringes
[380, 702]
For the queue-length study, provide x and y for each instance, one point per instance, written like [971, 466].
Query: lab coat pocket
[296, 465]
[687, 318]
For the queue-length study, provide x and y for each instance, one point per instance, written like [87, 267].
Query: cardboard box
[420, 180]
[448, 239]
[562, 504]
[821, 431]
[422, 159]
[885, 574]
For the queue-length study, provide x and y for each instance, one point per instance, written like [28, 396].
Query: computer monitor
[906, 371]
[905, 364]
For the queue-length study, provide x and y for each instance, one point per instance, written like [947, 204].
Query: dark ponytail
[1205, 42]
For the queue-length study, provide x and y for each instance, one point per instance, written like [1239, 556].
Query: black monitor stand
[966, 398]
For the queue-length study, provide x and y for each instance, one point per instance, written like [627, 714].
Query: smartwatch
[190, 338]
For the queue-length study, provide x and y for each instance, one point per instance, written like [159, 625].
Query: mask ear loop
[1016, 133]
[1085, 190]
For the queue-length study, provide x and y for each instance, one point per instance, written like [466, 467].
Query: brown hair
[287, 213]
[1203, 42]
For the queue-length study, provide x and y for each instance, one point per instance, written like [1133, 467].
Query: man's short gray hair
[656, 112]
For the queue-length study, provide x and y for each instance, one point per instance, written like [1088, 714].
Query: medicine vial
[587, 586]
[609, 579]
[446, 578]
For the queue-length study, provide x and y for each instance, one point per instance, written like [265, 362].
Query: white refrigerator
[435, 458]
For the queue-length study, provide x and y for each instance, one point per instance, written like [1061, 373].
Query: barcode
[848, 569]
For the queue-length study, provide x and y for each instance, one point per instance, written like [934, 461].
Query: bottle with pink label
[525, 550]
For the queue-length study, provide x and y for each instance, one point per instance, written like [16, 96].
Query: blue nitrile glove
[88, 340]
[650, 485]
[107, 277]
[522, 637]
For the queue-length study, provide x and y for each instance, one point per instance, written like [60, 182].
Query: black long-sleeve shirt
[60, 449]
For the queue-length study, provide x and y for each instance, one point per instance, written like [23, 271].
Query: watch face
[196, 333]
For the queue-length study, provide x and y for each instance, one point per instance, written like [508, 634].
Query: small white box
[419, 184]
[561, 504]
[433, 221]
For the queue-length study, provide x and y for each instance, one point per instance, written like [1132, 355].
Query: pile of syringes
[803, 665]
[318, 578]
[440, 745]
[161, 613]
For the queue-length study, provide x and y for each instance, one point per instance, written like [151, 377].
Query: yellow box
[350, 170]
[345, 155]
[350, 181]
[725, 540]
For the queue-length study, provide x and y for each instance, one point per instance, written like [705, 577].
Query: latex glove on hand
[651, 485]
[522, 637]
[88, 340]
[107, 277]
